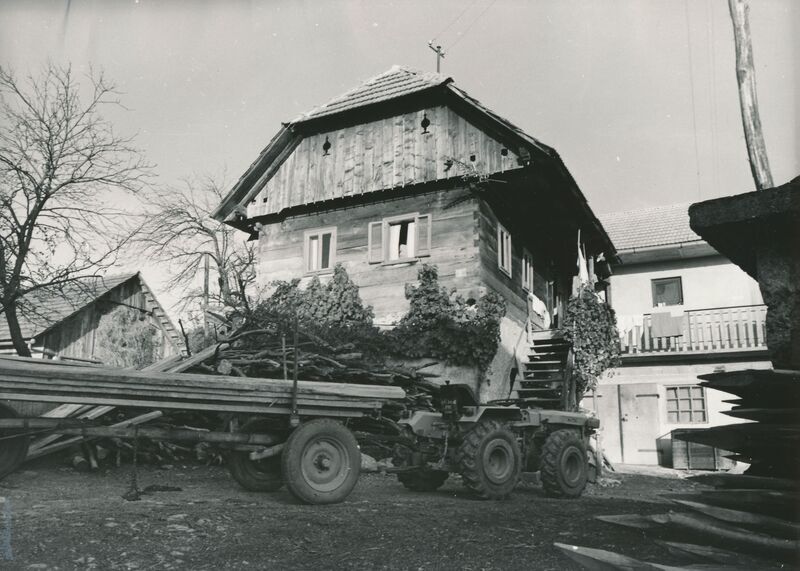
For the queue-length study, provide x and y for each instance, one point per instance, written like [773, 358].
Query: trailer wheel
[489, 460]
[321, 462]
[255, 475]
[423, 480]
[13, 450]
[565, 467]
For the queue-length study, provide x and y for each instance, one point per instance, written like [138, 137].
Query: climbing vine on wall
[125, 338]
[444, 325]
[439, 323]
[590, 325]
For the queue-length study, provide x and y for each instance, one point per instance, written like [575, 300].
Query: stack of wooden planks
[746, 522]
[56, 382]
[770, 400]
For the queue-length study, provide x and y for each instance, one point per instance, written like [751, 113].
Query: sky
[638, 96]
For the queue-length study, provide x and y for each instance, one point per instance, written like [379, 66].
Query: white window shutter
[423, 224]
[375, 242]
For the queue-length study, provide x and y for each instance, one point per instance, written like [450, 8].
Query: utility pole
[746, 76]
[439, 55]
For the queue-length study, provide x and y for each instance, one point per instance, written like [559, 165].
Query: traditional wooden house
[64, 324]
[407, 169]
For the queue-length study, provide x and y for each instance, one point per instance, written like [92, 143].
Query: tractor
[490, 445]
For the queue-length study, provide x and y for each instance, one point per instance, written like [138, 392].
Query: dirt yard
[62, 519]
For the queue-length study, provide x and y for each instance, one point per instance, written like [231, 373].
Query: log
[758, 522]
[141, 419]
[745, 482]
[89, 374]
[717, 555]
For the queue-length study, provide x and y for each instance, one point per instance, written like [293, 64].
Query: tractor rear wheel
[255, 475]
[489, 460]
[565, 466]
[423, 480]
[321, 462]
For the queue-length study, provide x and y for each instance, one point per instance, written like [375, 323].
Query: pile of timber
[77, 384]
[770, 401]
[746, 522]
[260, 353]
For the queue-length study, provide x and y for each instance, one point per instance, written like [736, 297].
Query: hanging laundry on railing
[665, 325]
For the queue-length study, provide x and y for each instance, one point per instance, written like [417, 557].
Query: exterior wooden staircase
[545, 376]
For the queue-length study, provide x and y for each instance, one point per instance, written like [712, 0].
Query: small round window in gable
[326, 146]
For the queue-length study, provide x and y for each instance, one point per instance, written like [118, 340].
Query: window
[319, 250]
[686, 404]
[503, 250]
[399, 239]
[667, 291]
[527, 271]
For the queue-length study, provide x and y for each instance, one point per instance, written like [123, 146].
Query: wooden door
[639, 423]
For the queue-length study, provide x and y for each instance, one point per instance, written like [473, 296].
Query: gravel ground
[61, 519]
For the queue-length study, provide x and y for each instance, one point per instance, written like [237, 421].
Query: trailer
[293, 432]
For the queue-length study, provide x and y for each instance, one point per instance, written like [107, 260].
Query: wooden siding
[76, 336]
[454, 247]
[383, 154]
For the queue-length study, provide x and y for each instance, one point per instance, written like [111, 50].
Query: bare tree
[63, 174]
[181, 233]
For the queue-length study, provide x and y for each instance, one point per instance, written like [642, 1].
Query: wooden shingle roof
[650, 227]
[398, 81]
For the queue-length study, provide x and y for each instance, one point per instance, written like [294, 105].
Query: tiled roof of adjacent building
[45, 307]
[398, 81]
[649, 227]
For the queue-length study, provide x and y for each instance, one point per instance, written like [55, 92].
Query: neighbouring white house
[682, 310]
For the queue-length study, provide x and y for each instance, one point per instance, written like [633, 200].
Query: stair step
[540, 384]
[543, 362]
[543, 375]
[546, 334]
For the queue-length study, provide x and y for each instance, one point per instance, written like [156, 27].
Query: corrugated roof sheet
[649, 227]
[47, 307]
[396, 82]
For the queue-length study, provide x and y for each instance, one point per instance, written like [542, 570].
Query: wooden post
[746, 76]
[598, 456]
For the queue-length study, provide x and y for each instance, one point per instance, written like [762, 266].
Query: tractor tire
[255, 475]
[423, 480]
[13, 450]
[565, 465]
[321, 462]
[489, 460]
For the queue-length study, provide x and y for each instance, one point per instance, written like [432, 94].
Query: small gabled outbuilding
[63, 323]
[407, 169]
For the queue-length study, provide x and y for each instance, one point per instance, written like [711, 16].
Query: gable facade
[404, 170]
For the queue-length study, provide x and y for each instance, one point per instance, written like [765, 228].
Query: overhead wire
[452, 22]
[694, 105]
[471, 24]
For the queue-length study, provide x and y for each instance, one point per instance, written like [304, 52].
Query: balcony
[719, 329]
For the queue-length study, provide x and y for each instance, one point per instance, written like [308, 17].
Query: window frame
[691, 398]
[422, 245]
[319, 232]
[501, 230]
[527, 270]
[656, 281]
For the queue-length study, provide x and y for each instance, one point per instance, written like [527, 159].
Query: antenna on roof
[439, 55]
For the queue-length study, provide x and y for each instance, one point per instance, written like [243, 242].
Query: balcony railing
[715, 329]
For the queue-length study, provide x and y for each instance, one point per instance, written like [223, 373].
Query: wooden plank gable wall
[388, 153]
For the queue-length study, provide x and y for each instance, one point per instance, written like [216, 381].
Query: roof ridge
[431, 78]
[620, 213]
